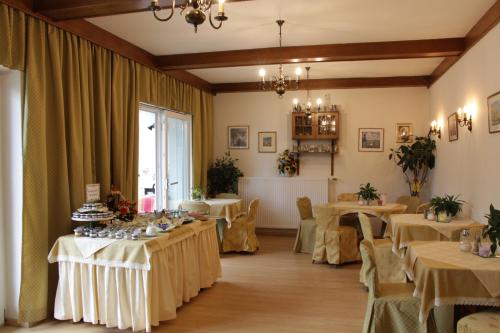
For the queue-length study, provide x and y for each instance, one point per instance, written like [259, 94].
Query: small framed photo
[267, 142]
[404, 133]
[494, 113]
[371, 140]
[453, 127]
[237, 137]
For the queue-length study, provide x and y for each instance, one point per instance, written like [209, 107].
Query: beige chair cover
[392, 308]
[241, 236]
[390, 269]
[196, 206]
[227, 196]
[423, 207]
[348, 197]
[481, 322]
[334, 244]
[306, 232]
[412, 203]
[466, 211]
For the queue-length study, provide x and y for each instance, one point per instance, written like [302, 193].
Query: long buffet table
[134, 284]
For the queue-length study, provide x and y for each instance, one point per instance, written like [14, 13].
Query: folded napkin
[89, 246]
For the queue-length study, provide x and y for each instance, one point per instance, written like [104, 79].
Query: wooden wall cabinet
[316, 126]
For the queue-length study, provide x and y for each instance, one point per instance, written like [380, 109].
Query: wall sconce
[435, 129]
[464, 118]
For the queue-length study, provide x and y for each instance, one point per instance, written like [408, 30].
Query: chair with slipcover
[306, 232]
[391, 306]
[390, 269]
[240, 235]
[334, 243]
[411, 202]
[196, 207]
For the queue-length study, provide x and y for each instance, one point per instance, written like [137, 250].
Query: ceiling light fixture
[281, 82]
[196, 12]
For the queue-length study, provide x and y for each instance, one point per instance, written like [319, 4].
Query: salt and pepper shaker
[465, 243]
[477, 245]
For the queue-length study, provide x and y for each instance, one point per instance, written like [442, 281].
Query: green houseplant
[223, 175]
[493, 229]
[446, 207]
[416, 161]
[367, 193]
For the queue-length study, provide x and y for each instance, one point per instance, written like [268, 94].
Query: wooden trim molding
[487, 22]
[427, 48]
[59, 10]
[101, 37]
[342, 83]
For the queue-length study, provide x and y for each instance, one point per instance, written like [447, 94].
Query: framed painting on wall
[267, 142]
[371, 140]
[453, 127]
[404, 133]
[237, 137]
[494, 113]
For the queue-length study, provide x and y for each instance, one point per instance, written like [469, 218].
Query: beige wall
[470, 166]
[378, 108]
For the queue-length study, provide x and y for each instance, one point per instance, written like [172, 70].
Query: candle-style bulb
[295, 101]
[221, 6]
[262, 73]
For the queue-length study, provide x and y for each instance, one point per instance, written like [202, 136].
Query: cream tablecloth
[405, 228]
[135, 284]
[384, 211]
[443, 275]
[228, 209]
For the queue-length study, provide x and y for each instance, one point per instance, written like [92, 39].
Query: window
[164, 158]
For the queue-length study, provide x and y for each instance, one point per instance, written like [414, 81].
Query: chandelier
[280, 82]
[196, 12]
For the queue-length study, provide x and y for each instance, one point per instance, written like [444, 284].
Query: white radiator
[278, 197]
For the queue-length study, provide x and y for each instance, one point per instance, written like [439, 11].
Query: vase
[444, 217]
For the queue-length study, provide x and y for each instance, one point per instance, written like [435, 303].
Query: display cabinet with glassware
[318, 127]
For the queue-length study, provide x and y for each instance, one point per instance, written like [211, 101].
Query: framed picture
[453, 127]
[494, 113]
[404, 133]
[371, 140]
[237, 137]
[267, 142]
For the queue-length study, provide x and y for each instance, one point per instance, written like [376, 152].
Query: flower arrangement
[117, 203]
[197, 193]
[287, 163]
[493, 229]
[446, 207]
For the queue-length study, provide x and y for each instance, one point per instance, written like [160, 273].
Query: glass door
[164, 158]
[179, 158]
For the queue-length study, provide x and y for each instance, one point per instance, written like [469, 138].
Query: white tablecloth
[100, 292]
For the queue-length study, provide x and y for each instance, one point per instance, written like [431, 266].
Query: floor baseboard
[276, 232]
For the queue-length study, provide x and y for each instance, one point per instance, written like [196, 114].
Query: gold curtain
[80, 126]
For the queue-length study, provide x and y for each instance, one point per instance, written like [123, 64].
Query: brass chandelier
[196, 12]
[280, 82]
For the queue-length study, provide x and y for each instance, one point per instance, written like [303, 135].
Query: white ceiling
[252, 24]
[325, 70]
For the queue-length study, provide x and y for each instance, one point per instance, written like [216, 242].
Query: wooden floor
[274, 290]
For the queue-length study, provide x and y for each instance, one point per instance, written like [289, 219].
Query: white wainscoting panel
[278, 196]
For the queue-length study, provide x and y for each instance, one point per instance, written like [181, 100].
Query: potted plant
[493, 229]
[287, 164]
[197, 193]
[416, 161]
[367, 193]
[445, 208]
[223, 176]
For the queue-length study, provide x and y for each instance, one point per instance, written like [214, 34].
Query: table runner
[445, 275]
[404, 228]
[180, 265]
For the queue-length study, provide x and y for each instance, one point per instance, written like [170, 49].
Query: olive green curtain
[80, 126]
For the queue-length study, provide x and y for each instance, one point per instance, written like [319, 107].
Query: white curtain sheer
[10, 192]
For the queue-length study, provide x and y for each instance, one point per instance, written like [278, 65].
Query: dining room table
[134, 283]
[383, 211]
[405, 228]
[444, 275]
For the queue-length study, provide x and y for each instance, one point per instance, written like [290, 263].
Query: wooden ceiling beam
[316, 53]
[60, 10]
[340, 83]
[487, 22]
